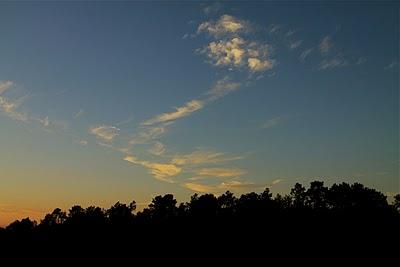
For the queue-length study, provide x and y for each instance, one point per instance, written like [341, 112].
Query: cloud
[9, 108]
[238, 185]
[185, 36]
[160, 171]
[274, 28]
[332, 63]
[231, 49]
[295, 44]
[225, 25]
[201, 188]
[79, 113]
[229, 185]
[147, 134]
[179, 112]
[325, 45]
[83, 142]
[222, 87]
[391, 65]
[277, 181]
[290, 33]
[272, 122]
[45, 122]
[221, 172]
[202, 157]
[157, 149]
[239, 53]
[361, 60]
[5, 85]
[305, 54]
[104, 132]
[213, 8]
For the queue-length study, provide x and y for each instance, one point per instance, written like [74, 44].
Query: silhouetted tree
[121, 214]
[57, 217]
[163, 207]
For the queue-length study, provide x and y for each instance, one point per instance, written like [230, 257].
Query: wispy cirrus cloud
[221, 172]
[179, 112]
[104, 132]
[8, 106]
[272, 122]
[305, 54]
[332, 63]
[157, 149]
[325, 45]
[161, 171]
[200, 157]
[295, 44]
[391, 65]
[222, 87]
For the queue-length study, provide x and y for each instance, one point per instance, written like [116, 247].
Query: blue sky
[105, 101]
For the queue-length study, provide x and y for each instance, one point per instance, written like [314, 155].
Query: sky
[117, 101]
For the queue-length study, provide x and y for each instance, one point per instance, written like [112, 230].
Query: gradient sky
[112, 101]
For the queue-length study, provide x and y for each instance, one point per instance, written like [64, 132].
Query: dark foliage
[319, 216]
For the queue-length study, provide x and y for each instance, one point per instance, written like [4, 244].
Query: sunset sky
[113, 101]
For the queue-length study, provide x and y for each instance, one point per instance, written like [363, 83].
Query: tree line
[341, 208]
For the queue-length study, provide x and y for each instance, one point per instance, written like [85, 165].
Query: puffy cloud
[238, 53]
[221, 172]
[157, 149]
[325, 45]
[104, 132]
[179, 112]
[225, 25]
[160, 171]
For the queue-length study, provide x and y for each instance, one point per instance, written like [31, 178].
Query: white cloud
[157, 149]
[160, 171]
[179, 112]
[305, 54]
[104, 132]
[325, 45]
